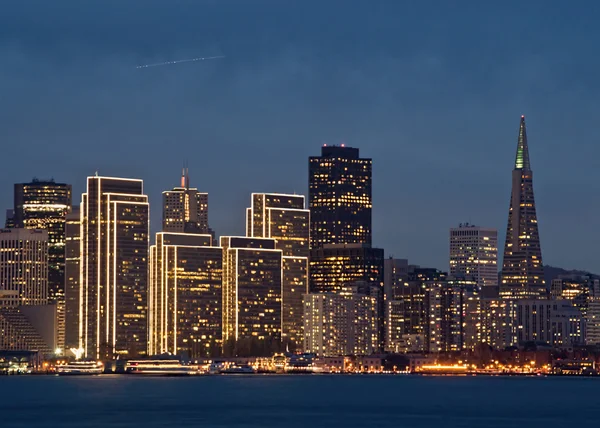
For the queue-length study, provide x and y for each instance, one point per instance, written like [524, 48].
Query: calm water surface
[298, 401]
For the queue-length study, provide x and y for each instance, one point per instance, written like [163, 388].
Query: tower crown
[522, 158]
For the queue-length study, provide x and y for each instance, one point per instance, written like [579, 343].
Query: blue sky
[431, 90]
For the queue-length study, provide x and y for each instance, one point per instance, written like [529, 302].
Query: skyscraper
[45, 205]
[72, 277]
[285, 219]
[185, 295]
[338, 324]
[23, 267]
[340, 199]
[522, 269]
[185, 209]
[252, 279]
[114, 266]
[474, 253]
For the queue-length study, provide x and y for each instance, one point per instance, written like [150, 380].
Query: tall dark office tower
[339, 197]
[522, 269]
[45, 205]
[185, 209]
[114, 267]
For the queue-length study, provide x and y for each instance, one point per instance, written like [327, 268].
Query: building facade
[72, 277]
[340, 199]
[23, 267]
[114, 268]
[185, 209]
[284, 218]
[522, 268]
[338, 324]
[474, 253]
[252, 290]
[45, 205]
[185, 295]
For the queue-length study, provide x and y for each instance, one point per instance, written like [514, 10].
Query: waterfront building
[474, 253]
[19, 334]
[344, 323]
[284, 218]
[517, 322]
[23, 267]
[413, 293]
[252, 290]
[334, 267]
[185, 209]
[44, 204]
[522, 268]
[340, 199]
[72, 277]
[185, 295]
[451, 308]
[114, 268]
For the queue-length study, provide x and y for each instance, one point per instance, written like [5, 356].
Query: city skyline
[444, 103]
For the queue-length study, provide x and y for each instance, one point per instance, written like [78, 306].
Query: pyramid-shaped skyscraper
[522, 268]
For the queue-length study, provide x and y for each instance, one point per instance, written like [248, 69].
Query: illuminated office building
[114, 267]
[44, 205]
[334, 267]
[185, 209]
[340, 199]
[23, 267]
[452, 311]
[522, 268]
[252, 285]
[474, 253]
[344, 323]
[185, 296]
[72, 277]
[285, 219]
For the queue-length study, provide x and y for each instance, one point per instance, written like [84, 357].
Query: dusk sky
[432, 91]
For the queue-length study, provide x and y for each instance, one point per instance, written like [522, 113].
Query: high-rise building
[252, 284]
[72, 277]
[340, 198]
[285, 219]
[185, 296]
[474, 253]
[410, 296]
[334, 267]
[185, 209]
[395, 273]
[522, 268]
[23, 267]
[344, 323]
[452, 309]
[114, 266]
[45, 205]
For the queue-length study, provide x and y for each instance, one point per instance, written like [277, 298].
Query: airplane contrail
[202, 58]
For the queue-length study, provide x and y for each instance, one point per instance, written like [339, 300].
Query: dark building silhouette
[339, 197]
[522, 268]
